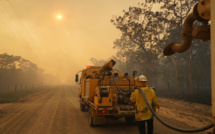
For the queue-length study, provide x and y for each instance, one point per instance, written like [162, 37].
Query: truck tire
[129, 119]
[82, 107]
[91, 118]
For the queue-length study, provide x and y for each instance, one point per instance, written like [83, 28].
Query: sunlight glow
[59, 16]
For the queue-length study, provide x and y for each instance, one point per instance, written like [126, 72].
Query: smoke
[62, 47]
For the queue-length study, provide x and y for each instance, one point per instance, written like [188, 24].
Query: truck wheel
[82, 107]
[129, 119]
[91, 118]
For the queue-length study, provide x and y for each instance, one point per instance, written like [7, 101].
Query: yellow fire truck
[105, 92]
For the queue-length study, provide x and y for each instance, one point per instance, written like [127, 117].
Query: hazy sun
[59, 16]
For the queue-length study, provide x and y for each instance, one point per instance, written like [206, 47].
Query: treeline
[17, 74]
[145, 33]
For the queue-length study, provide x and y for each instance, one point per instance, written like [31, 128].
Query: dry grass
[13, 97]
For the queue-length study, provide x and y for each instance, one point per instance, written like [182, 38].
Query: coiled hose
[118, 88]
[169, 126]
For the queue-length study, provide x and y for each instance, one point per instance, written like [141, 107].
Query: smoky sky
[32, 29]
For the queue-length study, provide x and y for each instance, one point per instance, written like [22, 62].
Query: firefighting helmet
[141, 78]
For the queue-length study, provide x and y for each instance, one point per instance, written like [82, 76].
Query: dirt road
[56, 111]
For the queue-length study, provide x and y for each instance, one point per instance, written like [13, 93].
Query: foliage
[145, 32]
[17, 73]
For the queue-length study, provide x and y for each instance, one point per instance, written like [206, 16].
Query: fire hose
[118, 88]
[169, 126]
[159, 119]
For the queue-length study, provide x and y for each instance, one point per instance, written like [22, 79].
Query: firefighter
[143, 114]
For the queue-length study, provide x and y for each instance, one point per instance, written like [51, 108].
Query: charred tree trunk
[190, 80]
[176, 72]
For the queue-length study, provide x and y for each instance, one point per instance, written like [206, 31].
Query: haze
[60, 36]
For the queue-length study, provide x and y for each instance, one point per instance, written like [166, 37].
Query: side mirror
[76, 78]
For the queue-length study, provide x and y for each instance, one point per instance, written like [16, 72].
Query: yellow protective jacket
[142, 111]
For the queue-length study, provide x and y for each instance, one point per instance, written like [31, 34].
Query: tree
[152, 30]
[140, 35]
[176, 11]
[16, 72]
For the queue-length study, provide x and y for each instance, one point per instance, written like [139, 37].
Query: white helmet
[141, 78]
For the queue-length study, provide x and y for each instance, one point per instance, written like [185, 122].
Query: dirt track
[56, 111]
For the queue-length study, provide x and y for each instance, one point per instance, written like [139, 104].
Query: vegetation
[16, 96]
[145, 33]
[18, 75]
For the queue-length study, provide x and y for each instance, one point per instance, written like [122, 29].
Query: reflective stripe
[143, 105]
[144, 118]
[110, 108]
